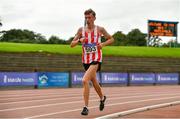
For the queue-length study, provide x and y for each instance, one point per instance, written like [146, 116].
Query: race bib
[90, 48]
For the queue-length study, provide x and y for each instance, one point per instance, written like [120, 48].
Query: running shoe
[101, 106]
[85, 111]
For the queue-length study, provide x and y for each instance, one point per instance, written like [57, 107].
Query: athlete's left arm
[108, 37]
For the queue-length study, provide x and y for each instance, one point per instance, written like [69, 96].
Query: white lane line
[48, 94]
[62, 103]
[136, 110]
[40, 100]
[53, 104]
[20, 95]
[71, 96]
[38, 91]
[44, 96]
[26, 94]
[92, 95]
[37, 100]
[128, 102]
[51, 91]
[34, 94]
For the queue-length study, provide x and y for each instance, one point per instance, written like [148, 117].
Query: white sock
[102, 98]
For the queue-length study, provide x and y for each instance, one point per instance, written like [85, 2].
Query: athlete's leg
[89, 74]
[96, 85]
[85, 81]
[98, 89]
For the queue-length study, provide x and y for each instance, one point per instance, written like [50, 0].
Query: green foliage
[133, 38]
[119, 38]
[136, 38]
[22, 36]
[56, 40]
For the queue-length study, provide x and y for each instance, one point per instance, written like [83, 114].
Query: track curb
[136, 110]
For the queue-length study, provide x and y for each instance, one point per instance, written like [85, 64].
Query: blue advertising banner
[114, 78]
[142, 78]
[47, 79]
[17, 79]
[167, 78]
[78, 76]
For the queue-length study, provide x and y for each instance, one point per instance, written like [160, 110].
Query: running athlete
[90, 37]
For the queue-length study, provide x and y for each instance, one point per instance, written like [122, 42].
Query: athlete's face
[89, 19]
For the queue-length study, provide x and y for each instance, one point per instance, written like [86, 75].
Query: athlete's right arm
[76, 38]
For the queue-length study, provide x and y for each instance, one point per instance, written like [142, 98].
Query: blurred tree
[56, 40]
[40, 39]
[136, 38]
[23, 36]
[119, 38]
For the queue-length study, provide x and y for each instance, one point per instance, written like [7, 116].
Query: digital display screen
[162, 28]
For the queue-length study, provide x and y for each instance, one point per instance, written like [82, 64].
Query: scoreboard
[162, 28]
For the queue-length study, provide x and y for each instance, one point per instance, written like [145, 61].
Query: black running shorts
[86, 66]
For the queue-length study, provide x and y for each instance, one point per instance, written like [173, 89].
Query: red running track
[68, 103]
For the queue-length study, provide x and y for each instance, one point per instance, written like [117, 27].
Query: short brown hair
[90, 11]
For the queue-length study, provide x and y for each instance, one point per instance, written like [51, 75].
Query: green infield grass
[129, 51]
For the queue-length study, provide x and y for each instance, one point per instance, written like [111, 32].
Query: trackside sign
[167, 78]
[17, 79]
[142, 78]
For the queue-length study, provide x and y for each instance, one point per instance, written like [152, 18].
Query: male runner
[90, 37]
